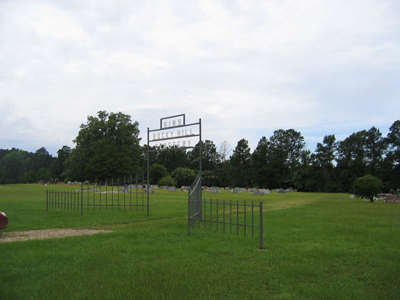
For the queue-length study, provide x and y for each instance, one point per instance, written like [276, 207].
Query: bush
[157, 172]
[167, 180]
[367, 187]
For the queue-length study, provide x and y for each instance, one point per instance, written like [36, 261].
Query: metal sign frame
[175, 122]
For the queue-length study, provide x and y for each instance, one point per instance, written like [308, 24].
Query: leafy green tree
[367, 187]
[43, 174]
[30, 176]
[4, 152]
[41, 159]
[106, 147]
[157, 172]
[183, 176]
[13, 167]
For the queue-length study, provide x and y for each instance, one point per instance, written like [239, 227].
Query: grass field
[317, 246]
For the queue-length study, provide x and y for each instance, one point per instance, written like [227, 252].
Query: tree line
[108, 146]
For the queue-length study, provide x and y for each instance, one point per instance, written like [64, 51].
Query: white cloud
[244, 67]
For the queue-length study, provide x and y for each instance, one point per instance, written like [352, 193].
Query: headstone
[392, 199]
[214, 190]
[238, 190]
[172, 189]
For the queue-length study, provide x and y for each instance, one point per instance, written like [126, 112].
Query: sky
[244, 67]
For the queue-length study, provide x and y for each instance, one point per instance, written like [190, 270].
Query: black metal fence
[120, 195]
[223, 215]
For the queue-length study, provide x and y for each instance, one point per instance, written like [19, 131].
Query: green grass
[318, 246]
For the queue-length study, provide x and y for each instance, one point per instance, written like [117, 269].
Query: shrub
[367, 187]
[167, 180]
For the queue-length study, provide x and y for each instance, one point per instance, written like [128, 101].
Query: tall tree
[264, 174]
[13, 167]
[241, 163]
[392, 161]
[41, 159]
[286, 149]
[209, 156]
[58, 167]
[106, 147]
[351, 160]
[375, 148]
[304, 178]
[325, 155]
[224, 150]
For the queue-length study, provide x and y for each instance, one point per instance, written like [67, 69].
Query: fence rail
[115, 196]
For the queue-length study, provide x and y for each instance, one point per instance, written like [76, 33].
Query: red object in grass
[3, 220]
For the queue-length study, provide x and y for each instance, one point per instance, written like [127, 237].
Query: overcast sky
[246, 68]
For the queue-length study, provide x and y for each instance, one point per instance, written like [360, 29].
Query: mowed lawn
[317, 246]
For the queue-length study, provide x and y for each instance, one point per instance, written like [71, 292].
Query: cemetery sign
[174, 134]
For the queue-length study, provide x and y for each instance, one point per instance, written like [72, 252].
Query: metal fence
[120, 195]
[224, 215]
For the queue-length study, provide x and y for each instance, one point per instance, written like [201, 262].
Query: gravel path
[45, 234]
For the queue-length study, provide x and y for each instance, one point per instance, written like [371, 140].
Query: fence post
[82, 199]
[261, 226]
[189, 212]
[47, 200]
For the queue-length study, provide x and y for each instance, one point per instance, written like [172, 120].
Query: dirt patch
[45, 234]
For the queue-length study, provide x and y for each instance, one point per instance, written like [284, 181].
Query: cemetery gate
[224, 215]
[174, 134]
